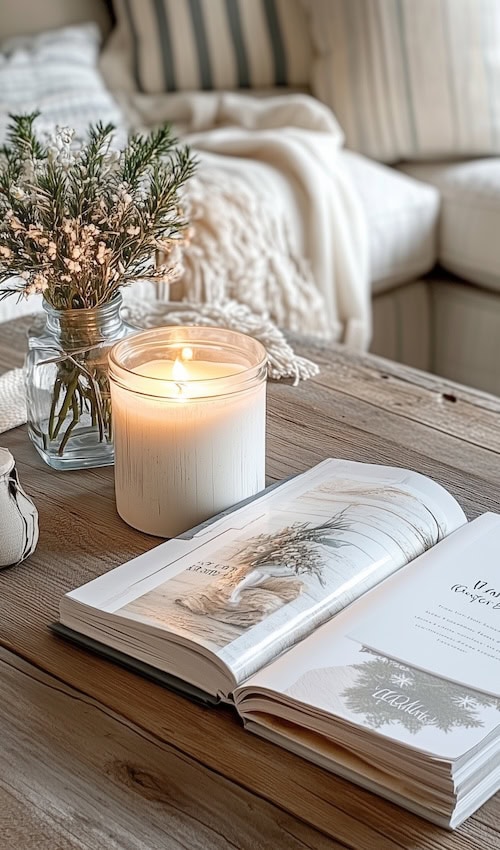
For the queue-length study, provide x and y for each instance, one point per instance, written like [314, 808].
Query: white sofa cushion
[178, 45]
[410, 79]
[402, 216]
[55, 73]
[469, 230]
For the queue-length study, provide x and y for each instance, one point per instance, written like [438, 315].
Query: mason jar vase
[68, 399]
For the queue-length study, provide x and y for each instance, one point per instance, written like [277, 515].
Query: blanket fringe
[283, 362]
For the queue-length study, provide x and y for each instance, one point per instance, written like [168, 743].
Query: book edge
[147, 671]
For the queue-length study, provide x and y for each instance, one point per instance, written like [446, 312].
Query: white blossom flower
[40, 283]
[59, 147]
[101, 253]
[15, 224]
[72, 265]
[62, 137]
[18, 193]
[81, 258]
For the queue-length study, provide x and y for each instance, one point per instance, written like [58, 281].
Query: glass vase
[68, 398]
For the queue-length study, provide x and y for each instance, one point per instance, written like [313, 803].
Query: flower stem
[70, 390]
[67, 433]
[55, 399]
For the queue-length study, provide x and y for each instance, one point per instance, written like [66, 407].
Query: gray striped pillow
[176, 45]
[410, 79]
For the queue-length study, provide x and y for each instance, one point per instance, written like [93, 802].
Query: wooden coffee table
[93, 756]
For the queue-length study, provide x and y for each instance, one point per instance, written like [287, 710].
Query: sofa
[421, 118]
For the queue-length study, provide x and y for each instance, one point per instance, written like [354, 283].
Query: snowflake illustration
[465, 702]
[402, 680]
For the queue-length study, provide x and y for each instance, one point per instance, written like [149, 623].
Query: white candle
[189, 425]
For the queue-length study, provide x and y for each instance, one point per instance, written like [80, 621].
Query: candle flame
[179, 371]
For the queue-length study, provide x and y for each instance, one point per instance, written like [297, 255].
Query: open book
[351, 614]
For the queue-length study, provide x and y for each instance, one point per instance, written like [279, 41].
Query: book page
[442, 613]
[264, 576]
[261, 578]
[332, 675]
[371, 692]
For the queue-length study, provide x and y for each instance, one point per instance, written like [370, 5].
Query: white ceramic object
[18, 515]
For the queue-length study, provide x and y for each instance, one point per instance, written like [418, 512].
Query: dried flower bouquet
[78, 221]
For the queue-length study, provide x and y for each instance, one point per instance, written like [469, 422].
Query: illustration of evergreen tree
[446, 704]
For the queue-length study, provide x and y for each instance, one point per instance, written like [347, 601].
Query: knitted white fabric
[12, 400]
[282, 360]
[242, 249]
[277, 222]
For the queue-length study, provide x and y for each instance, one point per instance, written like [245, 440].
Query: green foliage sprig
[78, 221]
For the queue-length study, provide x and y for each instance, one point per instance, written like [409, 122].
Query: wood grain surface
[76, 775]
[360, 408]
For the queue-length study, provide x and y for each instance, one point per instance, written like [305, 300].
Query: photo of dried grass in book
[286, 560]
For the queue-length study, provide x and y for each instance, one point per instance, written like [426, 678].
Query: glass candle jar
[189, 406]
[67, 385]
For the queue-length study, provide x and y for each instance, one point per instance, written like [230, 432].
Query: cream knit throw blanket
[277, 224]
[242, 250]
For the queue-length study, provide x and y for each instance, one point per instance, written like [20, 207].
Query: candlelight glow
[179, 371]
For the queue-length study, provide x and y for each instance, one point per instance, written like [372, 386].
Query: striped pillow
[175, 45]
[410, 79]
[55, 73]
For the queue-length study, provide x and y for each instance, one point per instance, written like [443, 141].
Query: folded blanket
[277, 224]
[12, 400]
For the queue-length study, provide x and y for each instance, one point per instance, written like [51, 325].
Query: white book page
[332, 675]
[446, 620]
[254, 582]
